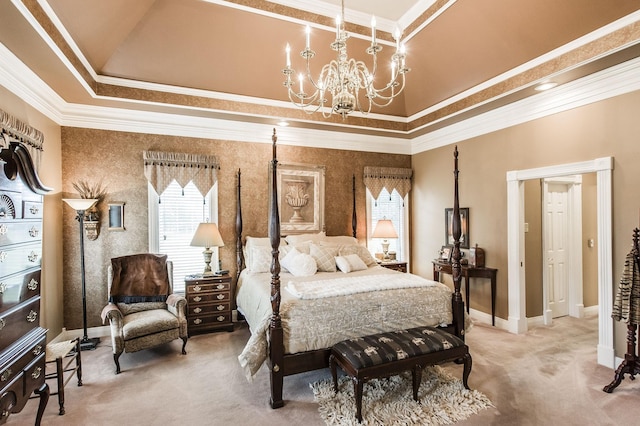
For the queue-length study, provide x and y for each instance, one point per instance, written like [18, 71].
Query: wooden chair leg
[416, 374]
[334, 372]
[116, 360]
[357, 391]
[184, 345]
[78, 362]
[467, 370]
[60, 380]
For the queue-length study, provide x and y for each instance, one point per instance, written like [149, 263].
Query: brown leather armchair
[143, 312]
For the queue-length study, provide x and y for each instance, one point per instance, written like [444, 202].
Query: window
[396, 209]
[173, 219]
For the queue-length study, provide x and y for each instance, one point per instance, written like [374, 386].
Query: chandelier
[347, 82]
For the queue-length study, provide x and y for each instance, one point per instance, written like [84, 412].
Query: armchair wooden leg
[184, 345]
[115, 359]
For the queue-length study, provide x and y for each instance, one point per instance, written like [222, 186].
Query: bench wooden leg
[357, 391]
[334, 372]
[417, 379]
[467, 369]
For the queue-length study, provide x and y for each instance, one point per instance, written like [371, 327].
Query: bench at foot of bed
[385, 354]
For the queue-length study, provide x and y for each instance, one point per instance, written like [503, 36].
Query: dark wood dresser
[22, 340]
[208, 303]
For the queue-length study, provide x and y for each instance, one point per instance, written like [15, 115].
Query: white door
[555, 243]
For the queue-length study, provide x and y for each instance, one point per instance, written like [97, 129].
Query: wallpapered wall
[115, 158]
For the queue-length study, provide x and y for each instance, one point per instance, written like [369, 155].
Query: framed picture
[116, 216]
[300, 198]
[464, 224]
[445, 253]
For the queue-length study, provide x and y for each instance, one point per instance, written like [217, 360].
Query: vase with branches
[87, 190]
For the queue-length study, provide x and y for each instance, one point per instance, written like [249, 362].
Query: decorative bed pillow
[350, 263]
[295, 239]
[299, 264]
[338, 240]
[361, 251]
[260, 242]
[325, 257]
[259, 259]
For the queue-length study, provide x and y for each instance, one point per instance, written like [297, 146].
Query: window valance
[161, 168]
[31, 138]
[377, 178]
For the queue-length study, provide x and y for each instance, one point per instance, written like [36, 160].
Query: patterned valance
[161, 168]
[377, 178]
[31, 138]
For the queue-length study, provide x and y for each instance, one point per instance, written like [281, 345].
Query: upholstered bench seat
[385, 354]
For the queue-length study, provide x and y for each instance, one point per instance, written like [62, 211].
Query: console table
[468, 271]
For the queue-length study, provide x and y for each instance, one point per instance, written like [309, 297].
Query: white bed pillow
[295, 239]
[263, 242]
[259, 259]
[350, 263]
[299, 264]
[325, 257]
[338, 240]
[361, 251]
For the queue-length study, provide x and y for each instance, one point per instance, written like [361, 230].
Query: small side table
[395, 265]
[208, 303]
[468, 271]
[58, 352]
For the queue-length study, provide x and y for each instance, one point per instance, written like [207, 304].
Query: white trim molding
[603, 168]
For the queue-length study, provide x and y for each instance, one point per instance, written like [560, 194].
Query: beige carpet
[548, 376]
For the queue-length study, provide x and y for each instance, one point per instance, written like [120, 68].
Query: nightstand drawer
[201, 287]
[215, 319]
[206, 309]
[208, 297]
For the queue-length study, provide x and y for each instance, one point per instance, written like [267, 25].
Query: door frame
[517, 321]
[574, 247]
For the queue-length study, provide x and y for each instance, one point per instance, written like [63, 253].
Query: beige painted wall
[606, 128]
[533, 247]
[51, 292]
[115, 158]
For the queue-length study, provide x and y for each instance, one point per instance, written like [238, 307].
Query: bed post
[457, 304]
[276, 338]
[239, 254]
[354, 219]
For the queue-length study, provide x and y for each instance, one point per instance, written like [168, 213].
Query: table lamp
[207, 236]
[384, 229]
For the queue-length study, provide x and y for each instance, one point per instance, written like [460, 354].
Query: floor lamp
[80, 205]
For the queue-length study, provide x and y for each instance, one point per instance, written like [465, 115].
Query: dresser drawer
[24, 356]
[18, 321]
[15, 232]
[206, 309]
[34, 375]
[15, 289]
[208, 297]
[31, 210]
[16, 259]
[200, 288]
[208, 320]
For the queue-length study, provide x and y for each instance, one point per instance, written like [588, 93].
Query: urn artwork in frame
[300, 198]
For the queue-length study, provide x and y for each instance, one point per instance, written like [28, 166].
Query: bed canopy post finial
[354, 218]
[456, 255]
[239, 254]
[276, 334]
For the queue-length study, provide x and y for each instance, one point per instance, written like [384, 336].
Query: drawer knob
[5, 375]
[4, 229]
[197, 310]
[197, 321]
[220, 318]
[197, 288]
[3, 287]
[36, 372]
[220, 296]
[3, 256]
[197, 299]
[2, 323]
[220, 286]
[37, 350]
[33, 315]
[34, 232]
[220, 307]
[33, 256]
[34, 210]
[33, 284]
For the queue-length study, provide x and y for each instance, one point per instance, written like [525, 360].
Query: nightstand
[395, 265]
[208, 303]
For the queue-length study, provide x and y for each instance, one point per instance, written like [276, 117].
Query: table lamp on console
[207, 236]
[384, 229]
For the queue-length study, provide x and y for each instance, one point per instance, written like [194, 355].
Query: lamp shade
[80, 203]
[384, 229]
[207, 235]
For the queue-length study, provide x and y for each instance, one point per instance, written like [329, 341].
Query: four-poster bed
[294, 325]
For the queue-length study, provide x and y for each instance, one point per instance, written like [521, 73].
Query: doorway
[517, 322]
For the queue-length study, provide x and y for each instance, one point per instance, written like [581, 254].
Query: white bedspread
[316, 323]
[348, 284]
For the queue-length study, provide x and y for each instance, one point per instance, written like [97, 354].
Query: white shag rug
[442, 398]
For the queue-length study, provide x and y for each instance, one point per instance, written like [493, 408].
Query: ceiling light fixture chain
[348, 82]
